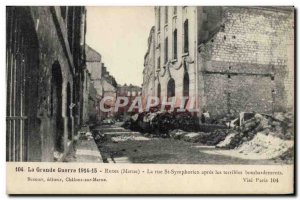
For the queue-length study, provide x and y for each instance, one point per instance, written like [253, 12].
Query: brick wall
[246, 64]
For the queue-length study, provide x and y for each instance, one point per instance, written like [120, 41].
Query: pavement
[85, 151]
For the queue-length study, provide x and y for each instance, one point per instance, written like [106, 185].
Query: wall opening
[171, 88]
[70, 26]
[68, 107]
[158, 13]
[166, 50]
[186, 36]
[186, 86]
[158, 90]
[175, 44]
[166, 14]
[75, 110]
[56, 101]
[158, 62]
[63, 12]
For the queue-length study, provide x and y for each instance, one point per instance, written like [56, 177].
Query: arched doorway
[56, 107]
[22, 65]
[171, 88]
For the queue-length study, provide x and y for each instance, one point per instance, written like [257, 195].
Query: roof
[92, 55]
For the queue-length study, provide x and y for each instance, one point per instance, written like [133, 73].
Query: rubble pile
[283, 125]
[280, 125]
[265, 147]
[160, 123]
[207, 138]
[124, 138]
[263, 137]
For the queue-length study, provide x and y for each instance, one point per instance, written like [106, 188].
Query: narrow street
[118, 145]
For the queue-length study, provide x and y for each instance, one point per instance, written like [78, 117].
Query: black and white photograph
[192, 85]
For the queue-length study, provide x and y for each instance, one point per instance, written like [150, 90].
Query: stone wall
[54, 54]
[246, 62]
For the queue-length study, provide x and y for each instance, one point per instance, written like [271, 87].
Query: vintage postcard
[150, 100]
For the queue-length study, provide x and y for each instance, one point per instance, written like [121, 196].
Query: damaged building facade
[109, 85]
[45, 57]
[231, 59]
[148, 86]
[94, 72]
[102, 82]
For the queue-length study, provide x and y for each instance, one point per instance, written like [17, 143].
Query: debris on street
[262, 137]
[122, 138]
[207, 138]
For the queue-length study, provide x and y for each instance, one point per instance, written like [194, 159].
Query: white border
[104, 3]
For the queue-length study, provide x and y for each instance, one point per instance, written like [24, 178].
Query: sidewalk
[85, 150]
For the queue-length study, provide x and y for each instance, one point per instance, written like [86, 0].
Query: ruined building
[45, 58]
[94, 69]
[148, 86]
[109, 85]
[231, 59]
[130, 92]
[103, 83]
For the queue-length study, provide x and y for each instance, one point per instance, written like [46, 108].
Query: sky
[120, 35]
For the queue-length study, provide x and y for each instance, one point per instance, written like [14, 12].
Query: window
[175, 44]
[158, 63]
[186, 87]
[158, 40]
[171, 88]
[63, 12]
[158, 16]
[186, 36]
[186, 84]
[175, 10]
[166, 50]
[70, 26]
[166, 15]
[158, 90]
